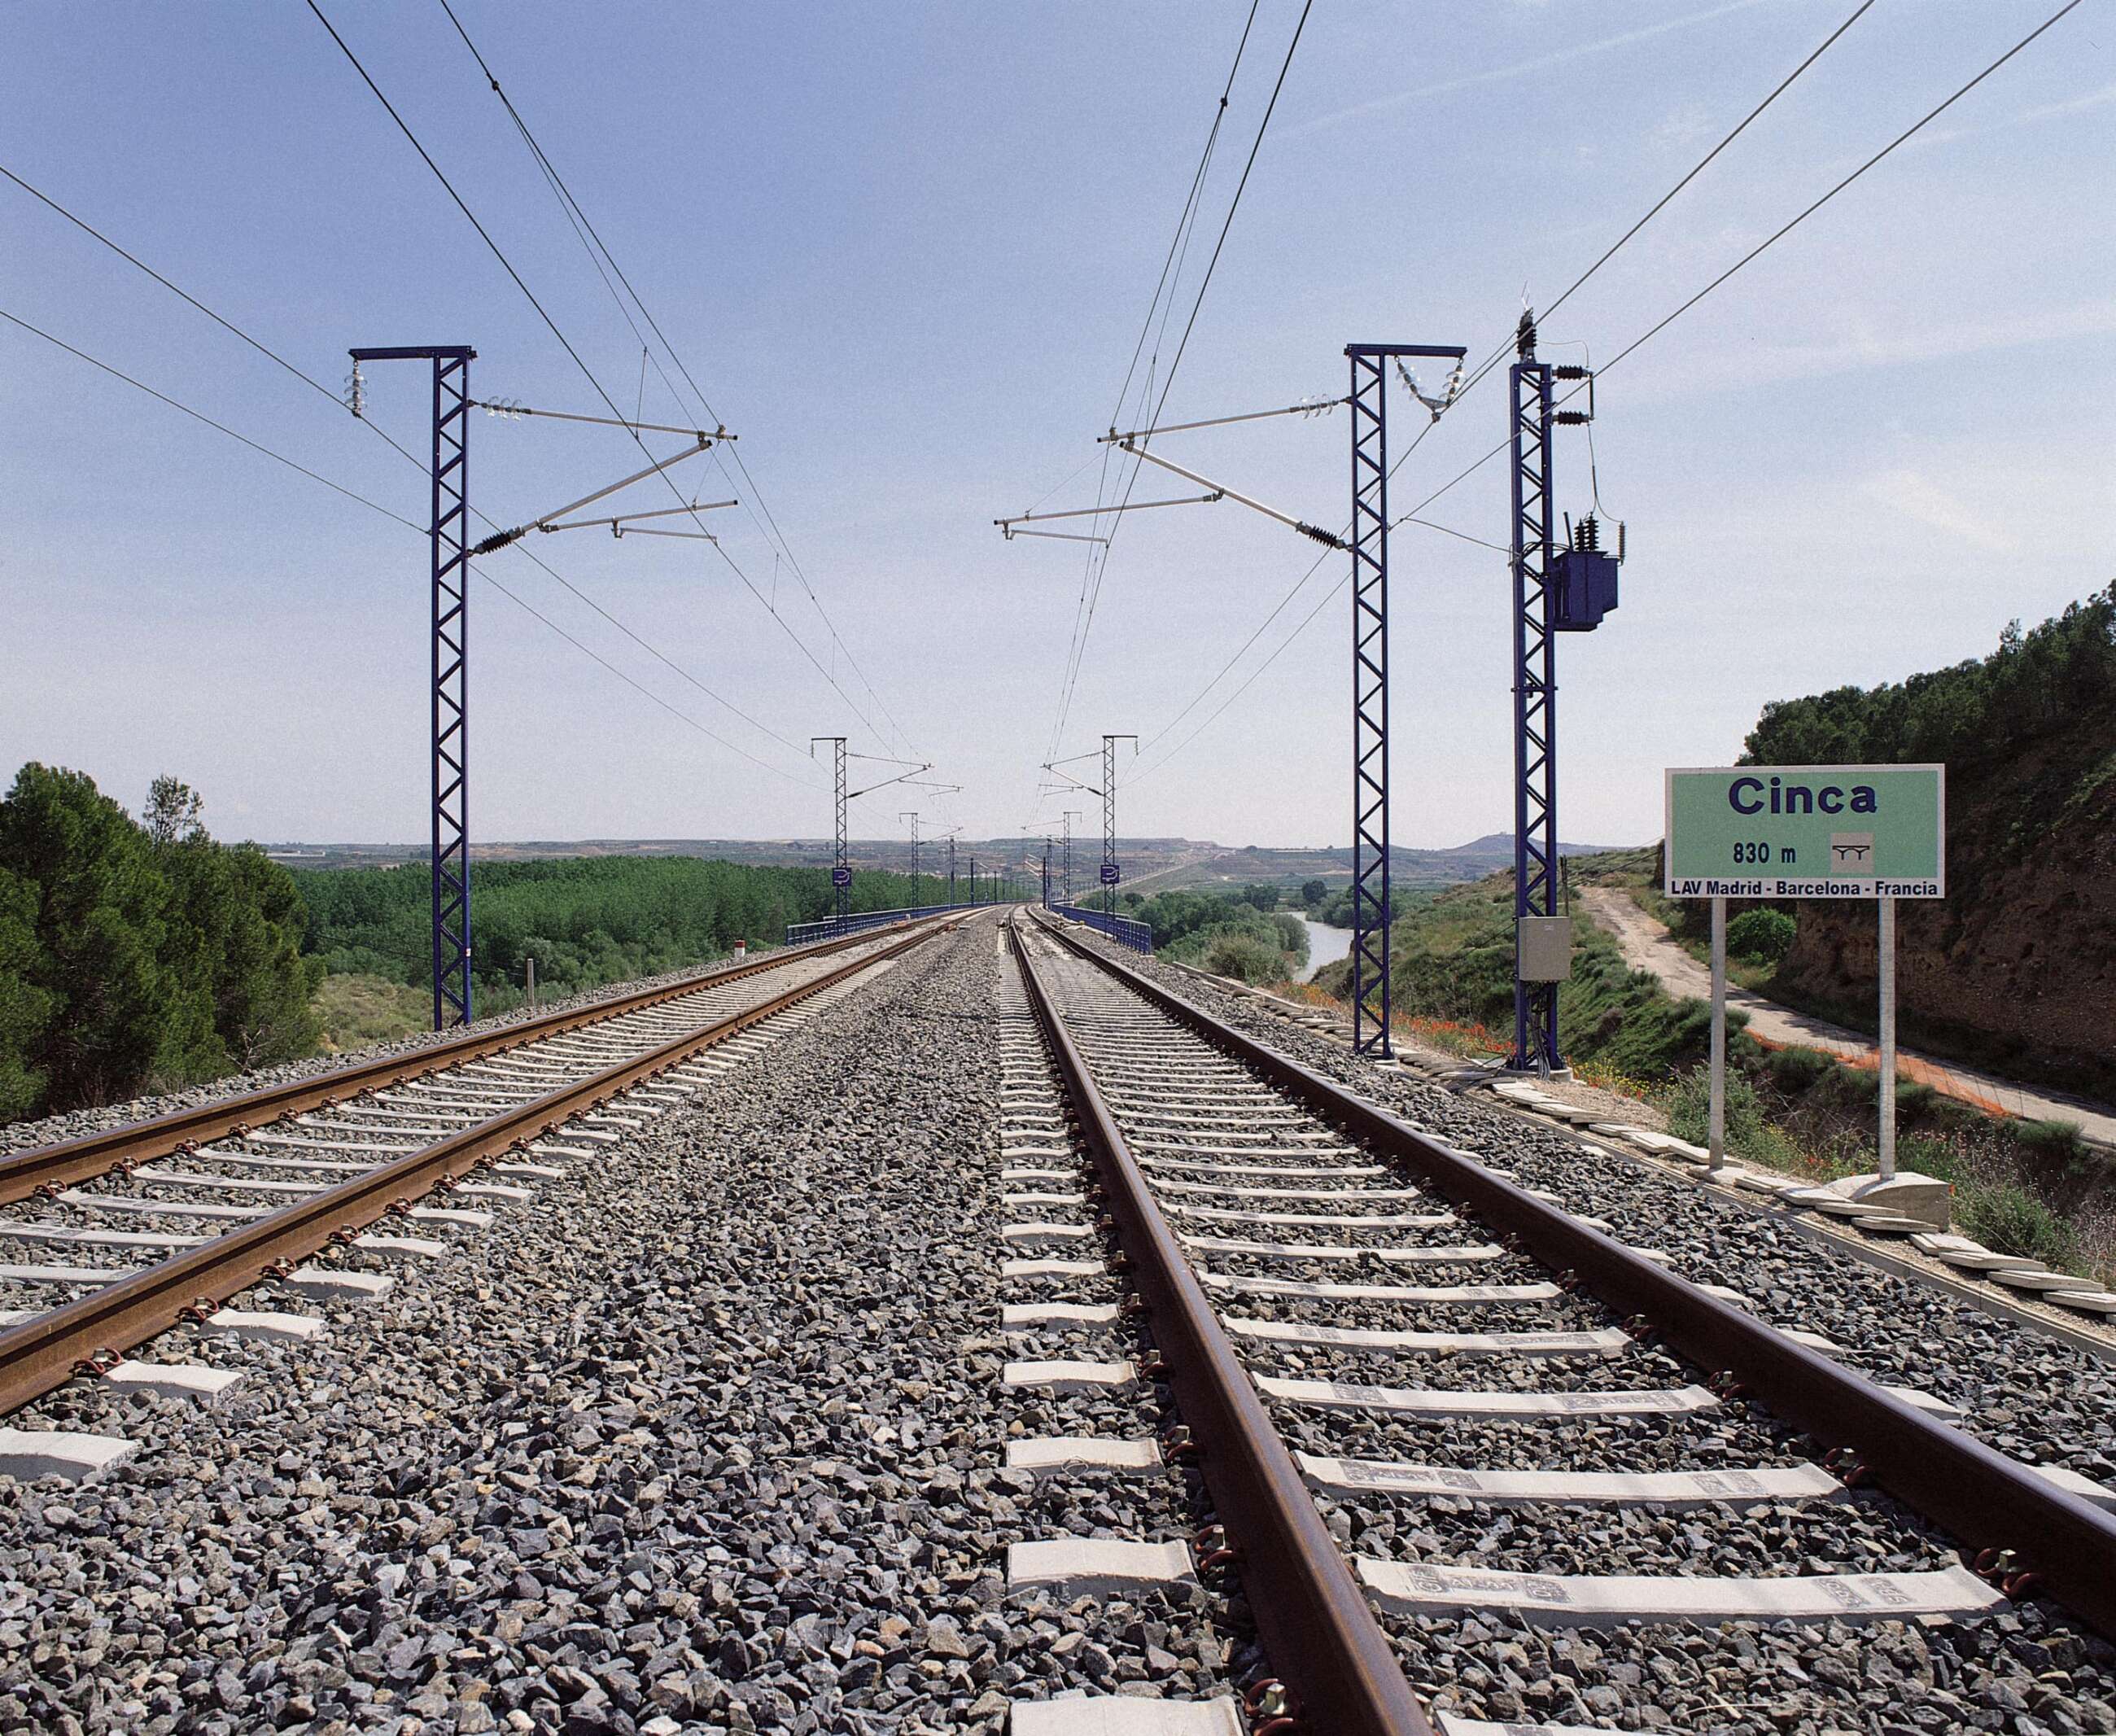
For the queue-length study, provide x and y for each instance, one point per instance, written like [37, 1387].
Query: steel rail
[24, 1173]
[1316, 1625]
[41, 1354]
[2052, 1543]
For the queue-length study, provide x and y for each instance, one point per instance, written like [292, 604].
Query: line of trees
[586, 920]
[1236, 934]
[137, 955]
[2061, 674]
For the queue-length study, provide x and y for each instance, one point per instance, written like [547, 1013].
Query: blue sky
[906, 251]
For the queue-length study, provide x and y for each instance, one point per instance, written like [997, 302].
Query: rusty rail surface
[23, 1173]
[1316, 1625]
[41, 1354]
[2052, 1543]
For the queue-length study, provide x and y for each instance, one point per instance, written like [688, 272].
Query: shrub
[2056, 1141]
[2009, 1219]
[1245, 956]
[1920, 1152]
[1853, 1085]
[1764, 935]
[1689, 1107]
[1797, 1071]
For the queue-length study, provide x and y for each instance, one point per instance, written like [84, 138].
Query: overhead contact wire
[587, 372]
[1197, 302]
[375, 506]
[382, 434]
[578, 218]
[1411, 517]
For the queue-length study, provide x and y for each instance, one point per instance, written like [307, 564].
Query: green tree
[1764, 934]
[174, 811]
[1247, 957]
[137, 956]
[1313, 892]
[98, 930]
[24, 1008]
[240, 988]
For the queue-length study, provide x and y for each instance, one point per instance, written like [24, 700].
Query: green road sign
[1807, 831]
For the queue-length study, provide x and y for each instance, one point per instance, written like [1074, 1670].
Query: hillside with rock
[2015, 967]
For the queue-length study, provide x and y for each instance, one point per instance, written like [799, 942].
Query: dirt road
[1647, 945]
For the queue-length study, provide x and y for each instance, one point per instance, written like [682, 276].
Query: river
[1326, 945]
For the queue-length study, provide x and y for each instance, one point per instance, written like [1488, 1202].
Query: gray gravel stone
[2025, 1669]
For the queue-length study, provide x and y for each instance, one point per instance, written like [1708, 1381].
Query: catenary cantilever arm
[1329, 539]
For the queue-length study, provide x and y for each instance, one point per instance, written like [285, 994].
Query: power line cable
[382, 434]
[587, 372]
[581, 222]
[280, 457]
[1710, 157]
[1197, 302]
[1774, 237]
[1801, 217]
[1490, 362]
[1328, 597]
[1178, 250]
[1651, 332]
[1506, 345]
[1197, 698]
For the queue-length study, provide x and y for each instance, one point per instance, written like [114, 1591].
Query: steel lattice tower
[1370, 790]
[1066, 876]
[1535, 697]
[1370, 692]
[841, 871]
[451, 671]
[1109, 793]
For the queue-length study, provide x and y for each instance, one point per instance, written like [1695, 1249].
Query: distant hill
[1156, 864]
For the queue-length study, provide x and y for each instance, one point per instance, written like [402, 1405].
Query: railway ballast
[844, 1394]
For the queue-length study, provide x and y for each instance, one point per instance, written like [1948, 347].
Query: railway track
[830, 1409]
[204, 1205]
[1441, 1420]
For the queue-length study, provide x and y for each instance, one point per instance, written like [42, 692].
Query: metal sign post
[1716, 1139]
[1887, 1166]
[1814, 832]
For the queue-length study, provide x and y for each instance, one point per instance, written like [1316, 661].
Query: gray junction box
[1542, 949]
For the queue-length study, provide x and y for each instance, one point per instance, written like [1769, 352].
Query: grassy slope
[1452, 959]
[355, 1008]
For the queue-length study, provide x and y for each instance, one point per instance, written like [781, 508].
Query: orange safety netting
[1907, 1066]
